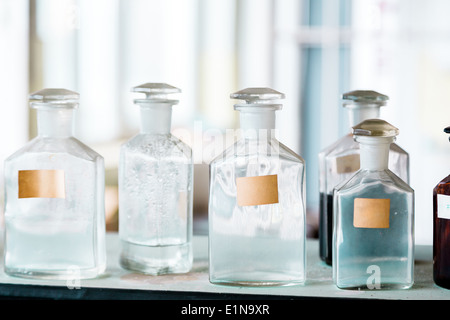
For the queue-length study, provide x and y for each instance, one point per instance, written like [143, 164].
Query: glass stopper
[263, 98]
[54, 97]
[375, 128]
[257, 95]
[156, 92]
[365, 97]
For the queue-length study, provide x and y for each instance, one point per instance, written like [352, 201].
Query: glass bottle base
[257, 279]
[384, 286]
[442, 282]
[156, 260]
[65, 273]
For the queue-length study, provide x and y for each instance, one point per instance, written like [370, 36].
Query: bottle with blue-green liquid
[373, 242]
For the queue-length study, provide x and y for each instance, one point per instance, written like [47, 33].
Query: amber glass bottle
[441, 231]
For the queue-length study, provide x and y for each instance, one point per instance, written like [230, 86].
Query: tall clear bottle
[256, 202]
[373, 245]
[441, 231]
[54, 198]
[340, 161]
[156, 190]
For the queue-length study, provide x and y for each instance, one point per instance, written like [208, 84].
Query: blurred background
[311, 50]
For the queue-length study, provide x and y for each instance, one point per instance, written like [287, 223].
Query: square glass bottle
[441, 231]
[339, 161]
[155, 190]
[256, 202]
[54, 198]
[373, 244]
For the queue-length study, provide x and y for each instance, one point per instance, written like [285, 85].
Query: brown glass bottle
[441, 231]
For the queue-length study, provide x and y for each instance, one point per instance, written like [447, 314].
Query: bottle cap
[367, 98]
[156, 93]
[258, 97]
[54, 97]
[375, 128]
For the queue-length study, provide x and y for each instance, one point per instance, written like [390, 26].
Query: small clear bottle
[441, 231]
[156, 190]
[257, 202]
[373, 244]
[54, 198]
[339, 161]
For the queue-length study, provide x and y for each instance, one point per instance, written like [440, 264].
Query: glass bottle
[54, 198]
[155, 190]
[339, 161]
[256, 202]
[441, 231]
[373, 245]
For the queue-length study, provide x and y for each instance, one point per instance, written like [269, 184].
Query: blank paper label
[254, 191]
[41, 184]
[347, 164]
[371, 213]
[443, 206]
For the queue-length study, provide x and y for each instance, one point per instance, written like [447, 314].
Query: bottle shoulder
[345, 143]
[243, 149]
[365, 179]
[157, 145]
[443, 187]
[46, 145]
[398, 149]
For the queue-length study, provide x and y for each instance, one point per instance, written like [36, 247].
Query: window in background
[208, 48]
[324, 74]
[312, 50]
[397, 47]
[14, 22]
[14, 76]
[402, 48]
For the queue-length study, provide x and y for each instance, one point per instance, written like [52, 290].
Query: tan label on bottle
[347, 164]
[42, 184]
[254, 191]
[371, 213]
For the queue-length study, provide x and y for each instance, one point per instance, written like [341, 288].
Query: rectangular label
[42, 184]
[347, 164]
[253, 191]
[443, 206]
[371, 213]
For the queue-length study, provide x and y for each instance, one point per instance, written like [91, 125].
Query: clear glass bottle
[441, 231]
[373, 245]
[339, 161]
[256, 202]
[54, 198]
[156, 190]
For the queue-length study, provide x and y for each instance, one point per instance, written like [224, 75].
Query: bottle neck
[156, 118]
[357, 114]
[55, 123]
[258, 124]
[374, 152]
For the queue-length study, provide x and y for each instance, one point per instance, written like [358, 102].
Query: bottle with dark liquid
[340, 161]
[441, 231]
